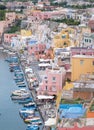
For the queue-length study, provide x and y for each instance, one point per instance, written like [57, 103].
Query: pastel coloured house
[52, 82]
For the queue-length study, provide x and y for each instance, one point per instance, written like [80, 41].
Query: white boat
[20, 92]
[27, 111]
[23, 97]
[32, 119]
[36, 123]
[20, 83]
[29, 104]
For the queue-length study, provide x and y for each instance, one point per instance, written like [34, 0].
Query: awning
[45, 97]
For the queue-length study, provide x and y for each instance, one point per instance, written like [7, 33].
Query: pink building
[8, 36]
[41, 15]
[36, 49]
[82, 51]
[52, 82]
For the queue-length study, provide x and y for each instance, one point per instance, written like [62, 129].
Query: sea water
[9, 111]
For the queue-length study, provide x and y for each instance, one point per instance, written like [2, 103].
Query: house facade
[81, 51]
[81, 64]
[52, 82]
[88, 39]
[10, 17]
[8, 37]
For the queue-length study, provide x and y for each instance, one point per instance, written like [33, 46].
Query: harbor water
[9, 111]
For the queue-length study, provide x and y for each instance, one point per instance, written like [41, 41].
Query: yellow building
[81, 64]
[68, 86]
[62, 39]
[26, 32]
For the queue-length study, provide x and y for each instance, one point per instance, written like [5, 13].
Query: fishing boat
[19, 80]
[25, 101]
[20, 83]
[23, 85]
[19, 92]
[26, 115]
[29, 104]
[32, 127]
[23, 97]
[27, 111]
[36, 123]
[32, 119]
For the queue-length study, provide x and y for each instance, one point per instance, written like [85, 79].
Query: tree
[2, 7]
[2, 15]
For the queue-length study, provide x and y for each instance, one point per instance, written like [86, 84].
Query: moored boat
[32, 127]
[36, 123]
[20, 92]
[32, 119]
[20, 83]
[23, 85]
[29, 104]
[23, 97]
[25, 101]
[27, 111]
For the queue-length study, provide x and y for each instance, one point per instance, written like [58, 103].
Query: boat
[13, 64]
[32, 119]
[25, 101]
[20, 92]
[23, 85]
[36, 123]
[32, 127]
[20, 83]
[19, 80]
[23, 97]
[27, 111]
[12, 59]
[25, 115]
[29, 104]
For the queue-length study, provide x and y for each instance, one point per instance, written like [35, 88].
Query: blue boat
[32, 127]
[30, 107]
[12, 59]
[24, 101]
[30, 104]
[26, 112]
[23, 85]
[25, 115]
[19, 80]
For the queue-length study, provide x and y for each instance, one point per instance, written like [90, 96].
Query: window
[89, 40]
[54, 78]
[65, 43]
[45, 77]
[45, 87]
[53, 88]
[85, 40]
[81, 62]
[46, 82]
[93, 63]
